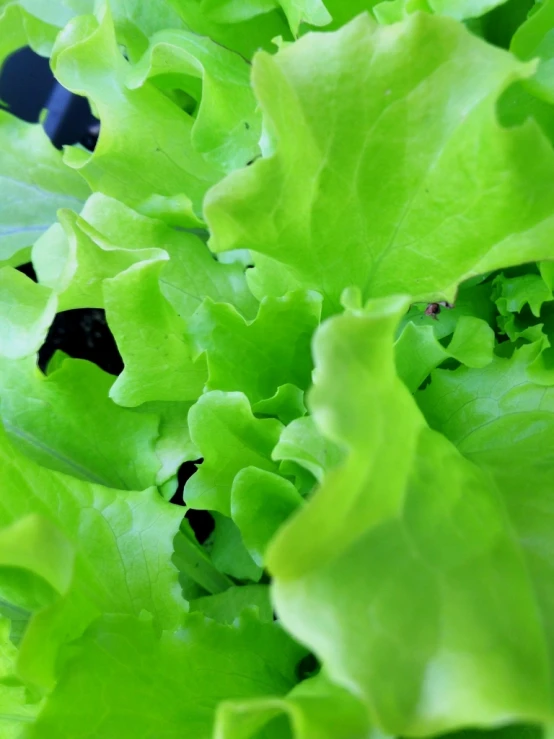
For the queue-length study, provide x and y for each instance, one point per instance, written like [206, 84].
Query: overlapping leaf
[34, 183]
[406, 538]
[245, 33]
[67, 422]
[122, 543]
[420, 188]
[260, 356]
[195, 667]
[229, 438]
[227, 126]
[141, 130]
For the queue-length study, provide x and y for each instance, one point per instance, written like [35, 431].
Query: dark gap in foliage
[27, 87]
[547, 317]
[91, 135]
[69, 117]
[426, 381]
[25, 84]
[28, 270]
[202, 523]
[451, 364]
[499, 25]
[82, 333]
[184, 473]
[307, 667]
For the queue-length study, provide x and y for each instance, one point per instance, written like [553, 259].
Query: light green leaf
[343, 11]
[74, 261]
[534, 39]
[248, 34]
[227, 126]
[108, 237]
[302, 442]
[57, 13]
[260, 503]
[514, 293]
[474, 298]
[392, 11]
[312, 12]
[314, 709]
[258, 357]
[17, 707]
[405, 636]
[123, 545]
[236, 11]
[226, 607]
[198, 666]
[465, 197]
[27, 312]
[67, 422]
[418, 349]
[286, 405]
[158, 359]
[297, 12]
[141, 130]
[504, 422]
[136, 21]
[19, 28]
[417, 352]
[173, 445]
[472, 342]
[193, 274]
[36, 563]
[229, 438]
[34, 183]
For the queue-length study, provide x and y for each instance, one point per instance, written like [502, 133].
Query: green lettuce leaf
[75, 257]
[17, 706]
[141, 129]
[227, 126]
[392, 11]
[27, 312]
[418, 351]
[260, 503]
[20, 26]
[504, 422]
[258, 357]
[34, 183]
[229, 553]
[523, 303]
[245, 33]
[67, 422]
[136, 21]
[196, 666]
[286, 405]
[312, 12]
[406, 536]
[315, 709]
[229, 438]
[122, 543]
[533, 40]
[159, 364]
[303, 443]
[226, 607]
[477, 196]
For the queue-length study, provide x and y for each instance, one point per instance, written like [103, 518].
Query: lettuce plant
[322, 233]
